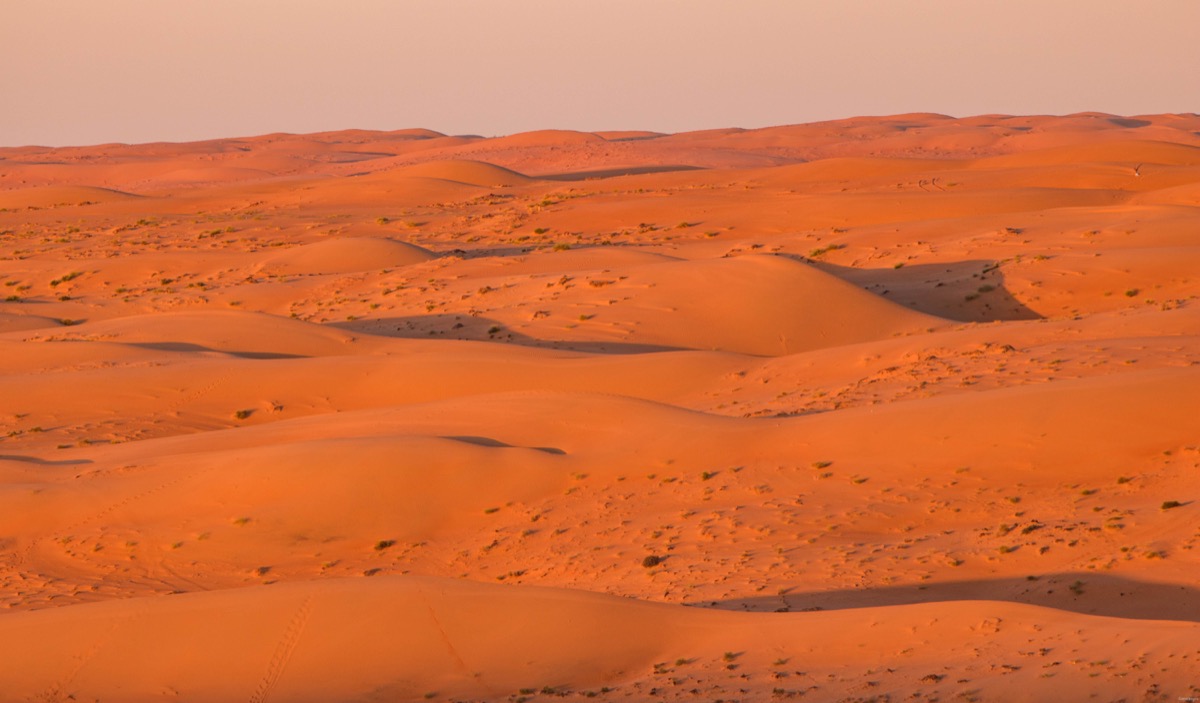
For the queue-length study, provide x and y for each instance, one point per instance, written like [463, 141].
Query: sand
[899, 408]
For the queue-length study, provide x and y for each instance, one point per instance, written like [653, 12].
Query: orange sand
[907, 408]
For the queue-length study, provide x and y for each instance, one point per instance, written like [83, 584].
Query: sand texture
[883, 409]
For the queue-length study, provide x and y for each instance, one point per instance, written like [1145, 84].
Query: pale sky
[93, 71]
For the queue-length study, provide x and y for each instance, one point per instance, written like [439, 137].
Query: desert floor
[882, 409]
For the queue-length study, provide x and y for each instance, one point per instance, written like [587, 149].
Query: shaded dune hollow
[879, 409]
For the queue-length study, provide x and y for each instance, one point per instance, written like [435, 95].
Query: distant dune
[345, 255]
[885, 408]
[57, 196]
[476, 173]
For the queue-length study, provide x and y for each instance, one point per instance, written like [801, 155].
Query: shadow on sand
[490, 442]
[189, 347]
[43, 462]
[963, 291]
[481, 329]
[614, 172]
[1087, 593]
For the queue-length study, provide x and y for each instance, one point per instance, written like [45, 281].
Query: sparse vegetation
[65, 277]
[821, 251]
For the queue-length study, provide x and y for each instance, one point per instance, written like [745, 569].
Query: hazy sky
[89, 71]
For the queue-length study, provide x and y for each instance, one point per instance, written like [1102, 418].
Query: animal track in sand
[283, 652]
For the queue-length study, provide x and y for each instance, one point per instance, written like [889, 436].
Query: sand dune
[383, 189]
[1187, 195]
[345, 255]
[764, 305]
[474, 173]
[871, 409]
[430, 638]
[245, 331]
[217, 174]
[10, 322]
[58, 196]
[1134, 152]
[546, 137]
